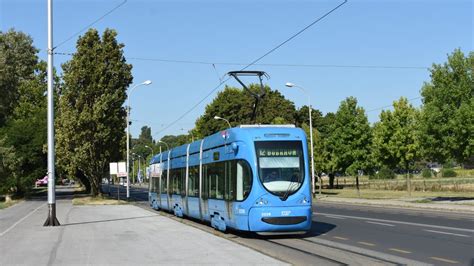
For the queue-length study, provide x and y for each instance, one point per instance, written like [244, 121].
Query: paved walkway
[443, 206]
[118, 234]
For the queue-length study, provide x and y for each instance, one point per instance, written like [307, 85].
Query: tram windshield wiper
[288, 190]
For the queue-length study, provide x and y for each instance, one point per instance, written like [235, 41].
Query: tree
[396, 138]
[145, 136]
[25, 130]
[91, 121]
[302, 117]
[236, 105]
[349, 143]
[447, 116]
[17, 63]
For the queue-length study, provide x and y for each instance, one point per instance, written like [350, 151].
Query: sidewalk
[442, 206]
[118, 234]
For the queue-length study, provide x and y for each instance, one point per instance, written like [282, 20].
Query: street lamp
[146, 82]
[146, 146]
[220, 118]
[167, 146]
[290, 85]
[190, 132]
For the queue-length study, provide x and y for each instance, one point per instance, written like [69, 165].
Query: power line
[388, 106]
[252, 63]
[89, 25]
[274, 64]
[268, 64]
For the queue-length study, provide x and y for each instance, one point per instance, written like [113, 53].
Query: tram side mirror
[235, 147]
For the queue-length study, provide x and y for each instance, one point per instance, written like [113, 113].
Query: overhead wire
[252, 63]
[391, 105]
[90, 24]
[214, 64]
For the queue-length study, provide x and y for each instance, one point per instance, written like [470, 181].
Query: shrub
[448, 172]
[385, 173]
[426, 173]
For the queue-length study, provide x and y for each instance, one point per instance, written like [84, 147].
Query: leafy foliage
[448, 172]
[91, 119]
[236, 105]
[426, 173]
[395, 137]
[17, 63]
[447, 117]
[383, 173]
[23, 114]
[348, 145]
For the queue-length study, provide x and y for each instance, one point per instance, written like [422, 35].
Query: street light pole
[220, 118]
[190, 132]
[290, 85]
[167, 146]
[146, 82]
[51, 220]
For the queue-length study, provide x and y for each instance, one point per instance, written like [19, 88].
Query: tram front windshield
[281, 166]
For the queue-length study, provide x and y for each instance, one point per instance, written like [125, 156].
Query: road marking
[334, 217]
[19, 221]
[366, 243]
[341, 238]
[445, 233]
[444, 260]
[398, 222]
[400, 250]
[379, 223]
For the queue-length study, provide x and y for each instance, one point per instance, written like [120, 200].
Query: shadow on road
[110, 220]
[317, 229]
[452, 198]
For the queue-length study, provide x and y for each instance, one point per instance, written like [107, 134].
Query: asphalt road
[430, 236]
[433, 237]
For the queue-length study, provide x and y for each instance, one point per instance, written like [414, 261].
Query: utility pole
[51, 220]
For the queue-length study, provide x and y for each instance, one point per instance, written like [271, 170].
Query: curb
[454, 208]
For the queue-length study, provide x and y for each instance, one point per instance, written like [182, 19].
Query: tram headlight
[262, 201]
[235, 147]
[304, 201]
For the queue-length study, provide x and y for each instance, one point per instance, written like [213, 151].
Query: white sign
[122, 169]
[113, 168]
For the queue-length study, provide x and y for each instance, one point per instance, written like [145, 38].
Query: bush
[448, 172]
[426, 173]
[383, 173]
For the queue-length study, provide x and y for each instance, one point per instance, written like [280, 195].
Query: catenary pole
[51, 220]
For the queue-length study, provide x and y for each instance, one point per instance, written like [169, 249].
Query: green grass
[4, 205]
[96, 201]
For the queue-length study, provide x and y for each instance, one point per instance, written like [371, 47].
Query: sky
[410, 35]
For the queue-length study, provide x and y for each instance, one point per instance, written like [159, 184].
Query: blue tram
[250, 178]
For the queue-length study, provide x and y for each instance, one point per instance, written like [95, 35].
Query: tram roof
[223, 137]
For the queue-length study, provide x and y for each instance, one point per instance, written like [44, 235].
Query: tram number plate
[285, 213]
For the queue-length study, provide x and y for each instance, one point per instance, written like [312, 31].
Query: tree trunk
[357, 186]
[84, 180]
[331, 180]
[408, 182]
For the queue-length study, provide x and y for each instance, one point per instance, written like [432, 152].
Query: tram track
[288, 248]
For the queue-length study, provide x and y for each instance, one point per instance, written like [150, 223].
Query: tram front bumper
[272, 219]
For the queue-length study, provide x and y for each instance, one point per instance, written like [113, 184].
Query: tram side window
[193, 181]
[156, 184]
[205, 183]
[182, 186]
[216, 180]
[244, 179]
[164, 185]
[231, 181]
[176, 181]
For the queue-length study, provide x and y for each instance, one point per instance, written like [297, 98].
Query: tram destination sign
[277, 152]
